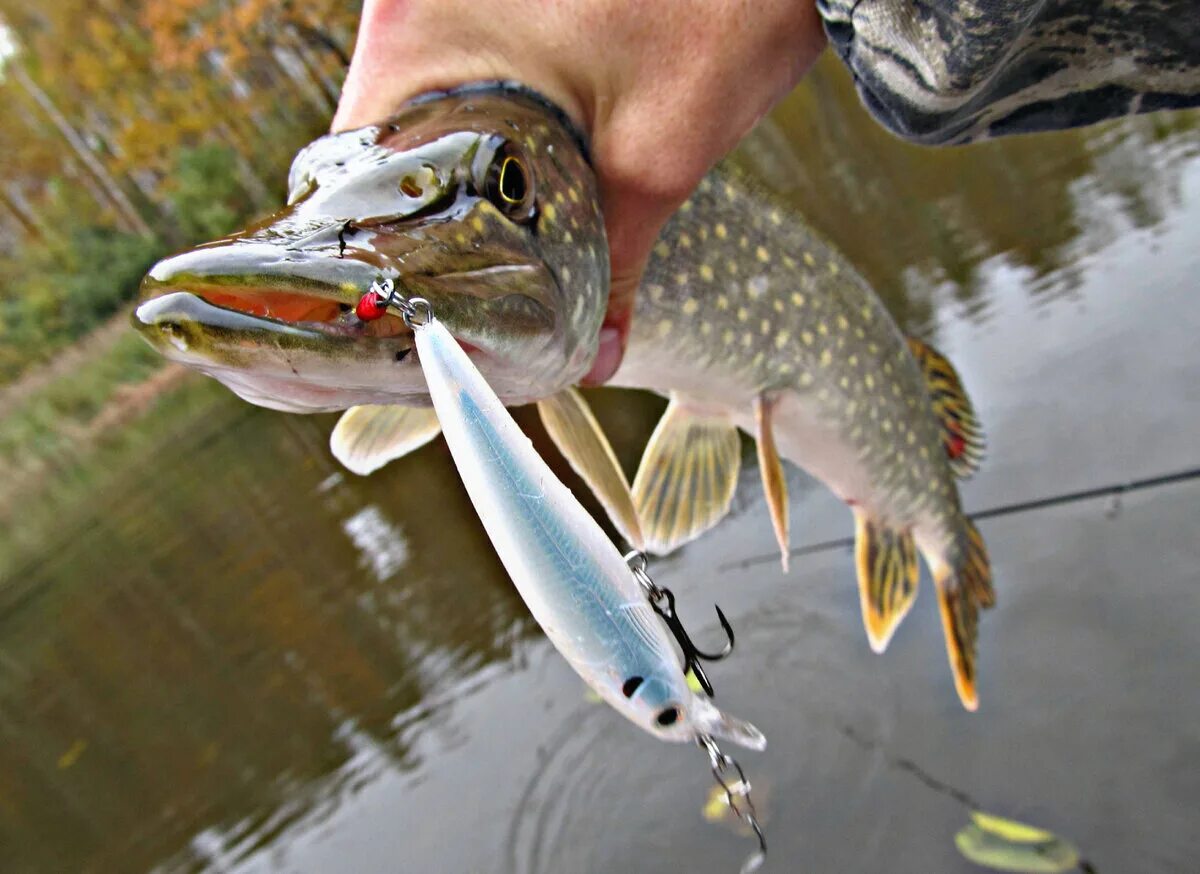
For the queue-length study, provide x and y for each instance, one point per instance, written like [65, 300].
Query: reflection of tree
[912, 217]
[109, 106]
[209, 635]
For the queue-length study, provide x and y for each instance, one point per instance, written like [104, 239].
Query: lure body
[575, 582]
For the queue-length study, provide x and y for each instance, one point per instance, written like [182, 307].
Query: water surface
[218, 652]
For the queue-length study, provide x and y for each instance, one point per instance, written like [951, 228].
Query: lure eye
[668, 716]
[631, 686]
[509, 185]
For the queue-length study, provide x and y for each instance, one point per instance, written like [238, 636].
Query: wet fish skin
[742, 302]
[746, 318]
[267, 310]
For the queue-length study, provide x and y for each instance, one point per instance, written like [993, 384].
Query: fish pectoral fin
[964, 585]
[685, 482]
[571, 425]
[886, 560]
[368, 437]
[710, 720]
[962, 436]
[774, 484]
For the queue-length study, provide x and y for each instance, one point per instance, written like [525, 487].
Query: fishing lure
[597, 608]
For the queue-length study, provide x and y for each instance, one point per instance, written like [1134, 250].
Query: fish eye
[509, 185]
[667, 716]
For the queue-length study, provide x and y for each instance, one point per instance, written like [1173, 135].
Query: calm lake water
[219, 652]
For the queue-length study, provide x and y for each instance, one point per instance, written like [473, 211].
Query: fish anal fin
[774, 484]
[368, 437]
[573, 428]
[962, 436]
[964, 585]
[687, 476]
[886, 561]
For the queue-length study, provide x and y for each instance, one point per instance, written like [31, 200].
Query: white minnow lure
[575, 581]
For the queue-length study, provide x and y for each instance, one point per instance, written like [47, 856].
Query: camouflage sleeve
[954, 71]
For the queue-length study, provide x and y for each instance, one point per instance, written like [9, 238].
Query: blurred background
[220, 652]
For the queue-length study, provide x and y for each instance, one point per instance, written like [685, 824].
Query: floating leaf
[1005, 845]
[72, 754]
[1010, 829]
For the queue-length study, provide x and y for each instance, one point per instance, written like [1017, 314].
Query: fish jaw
[521, 282]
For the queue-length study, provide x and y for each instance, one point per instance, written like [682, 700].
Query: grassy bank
[56, 416]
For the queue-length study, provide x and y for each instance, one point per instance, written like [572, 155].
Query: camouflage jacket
[955, 71]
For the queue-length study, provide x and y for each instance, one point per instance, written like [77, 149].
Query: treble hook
[664, 606]
[662, 600]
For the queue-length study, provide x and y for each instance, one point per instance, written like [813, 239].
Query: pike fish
[482, 201]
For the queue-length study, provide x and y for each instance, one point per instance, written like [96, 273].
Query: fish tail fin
[886, 561]
[964, 584]
[713, 721]
[962, 435]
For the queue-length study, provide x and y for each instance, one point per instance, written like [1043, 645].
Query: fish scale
[746, 319]
[835, 347]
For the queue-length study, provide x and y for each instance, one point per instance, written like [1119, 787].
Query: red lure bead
[370, 307]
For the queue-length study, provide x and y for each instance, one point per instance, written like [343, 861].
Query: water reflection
[925, 224]
[211, 642]
[217, 650]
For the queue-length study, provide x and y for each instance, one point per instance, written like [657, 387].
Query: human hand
[663, 89]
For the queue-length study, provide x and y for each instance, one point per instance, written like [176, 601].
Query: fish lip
[234, 265]
[190, 305]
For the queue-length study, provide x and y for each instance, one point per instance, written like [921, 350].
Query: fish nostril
[175, 334]
[401, 354]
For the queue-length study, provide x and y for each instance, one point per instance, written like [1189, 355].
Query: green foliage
[204, 191]
[62, 286]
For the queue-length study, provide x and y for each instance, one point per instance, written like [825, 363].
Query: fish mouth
[278, 325]
[316, 294]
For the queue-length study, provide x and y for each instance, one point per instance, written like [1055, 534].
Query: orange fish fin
[886, 560]
[962, 435]
[774, 484]
[686, 479]
[964, 586]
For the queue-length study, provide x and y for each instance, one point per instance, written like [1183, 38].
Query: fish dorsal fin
[569, 422]
[685, 482]
[964, 584]
[774, 484]
[962, 435]
[368, 437]
[886, 560]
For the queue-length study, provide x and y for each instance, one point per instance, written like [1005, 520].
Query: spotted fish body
[742, 306]
[746, 319]
[740, 303]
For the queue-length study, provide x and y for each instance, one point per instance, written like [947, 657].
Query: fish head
[481, 201]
